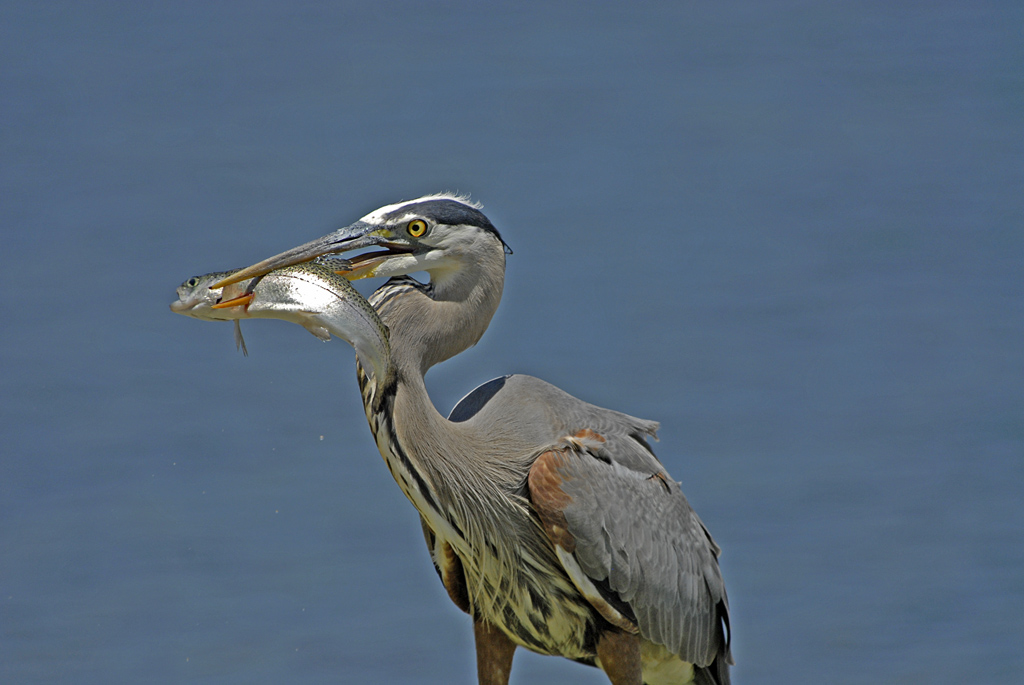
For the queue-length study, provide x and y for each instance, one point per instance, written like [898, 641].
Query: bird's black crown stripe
[449, 212]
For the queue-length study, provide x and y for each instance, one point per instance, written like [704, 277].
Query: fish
[196, 299]
[312, 294]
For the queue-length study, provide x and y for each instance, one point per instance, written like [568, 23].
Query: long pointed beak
[359, 234]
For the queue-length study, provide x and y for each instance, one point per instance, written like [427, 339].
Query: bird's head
[438, 234]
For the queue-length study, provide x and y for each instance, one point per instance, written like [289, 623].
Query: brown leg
[493, 654]
[619, 654]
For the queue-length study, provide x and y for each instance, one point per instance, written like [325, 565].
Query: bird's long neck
[429, 324]
[441, 466]
[467, 485]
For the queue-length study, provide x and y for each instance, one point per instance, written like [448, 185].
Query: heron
[549, 520]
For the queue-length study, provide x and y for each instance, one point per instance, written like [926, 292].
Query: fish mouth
[189, 307]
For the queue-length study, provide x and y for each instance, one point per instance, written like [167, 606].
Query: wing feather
[632, 528]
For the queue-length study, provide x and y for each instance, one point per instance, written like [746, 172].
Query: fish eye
[416, 228]
[192, 282]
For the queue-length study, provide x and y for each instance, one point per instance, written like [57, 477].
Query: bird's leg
[493, 653]
[619, 654]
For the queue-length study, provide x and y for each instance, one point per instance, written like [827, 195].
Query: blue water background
[792, 232]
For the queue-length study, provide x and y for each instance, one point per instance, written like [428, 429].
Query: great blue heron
[550, 520]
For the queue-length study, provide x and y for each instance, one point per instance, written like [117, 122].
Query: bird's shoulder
[526, 405]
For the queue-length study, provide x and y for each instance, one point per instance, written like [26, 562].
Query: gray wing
[609, 504]
[628, 532]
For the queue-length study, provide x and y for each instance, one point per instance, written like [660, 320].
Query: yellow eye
[417, 227]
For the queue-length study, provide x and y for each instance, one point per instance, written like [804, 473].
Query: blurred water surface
[791, 232]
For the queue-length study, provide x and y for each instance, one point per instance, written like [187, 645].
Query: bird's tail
[717, 673]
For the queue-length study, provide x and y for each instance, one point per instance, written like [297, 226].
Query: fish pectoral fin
[317, 330]
[239, 340]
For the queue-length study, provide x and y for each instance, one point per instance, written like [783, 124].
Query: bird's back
[540, 413]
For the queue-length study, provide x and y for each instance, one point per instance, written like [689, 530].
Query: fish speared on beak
[358, 235]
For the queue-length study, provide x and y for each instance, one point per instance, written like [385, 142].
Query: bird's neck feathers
[430, 323]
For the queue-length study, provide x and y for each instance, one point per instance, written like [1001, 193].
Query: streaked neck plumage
[466, 479]
[429, 324]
